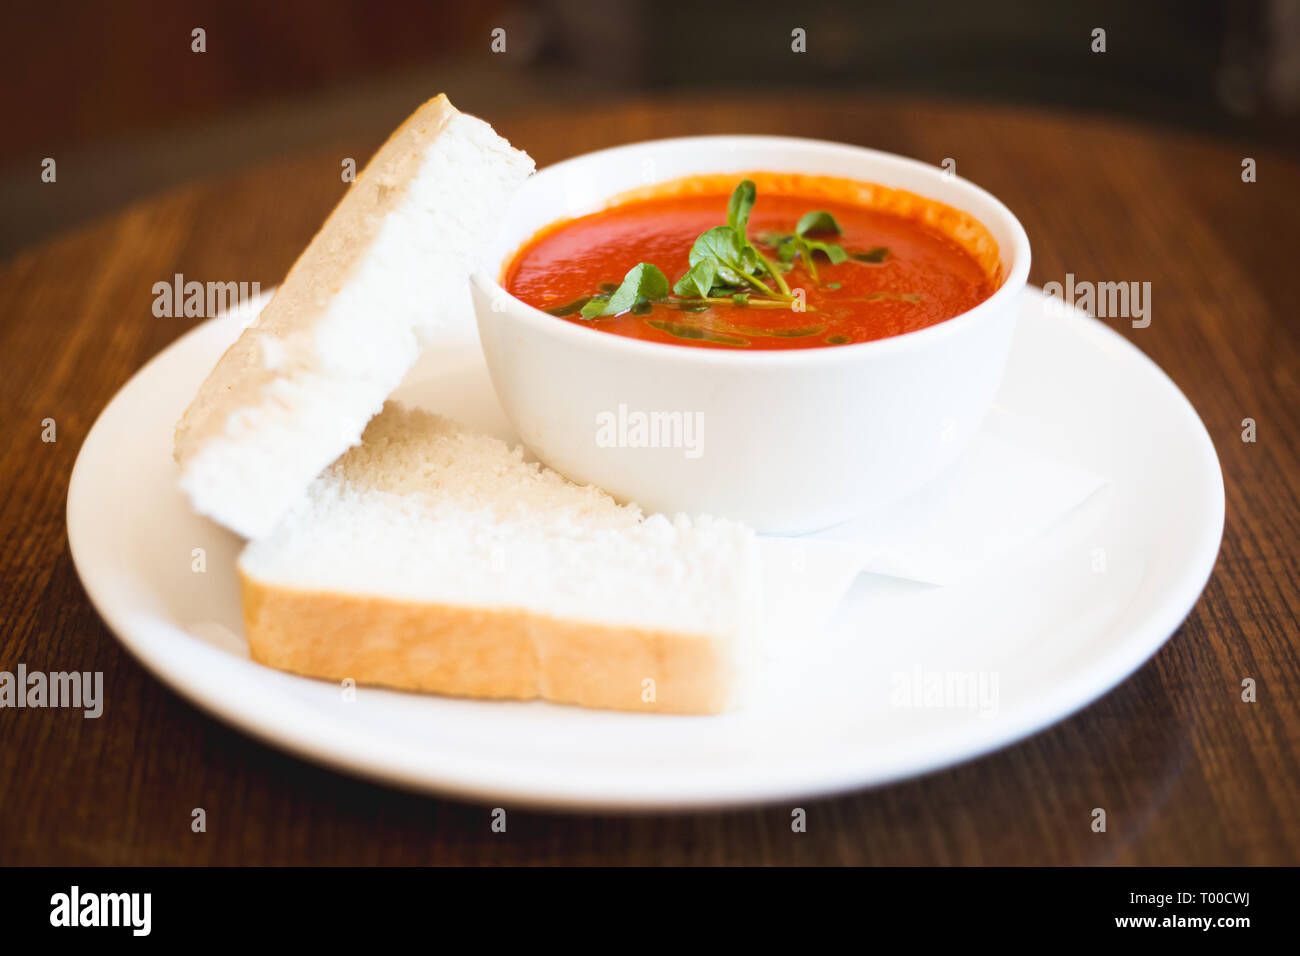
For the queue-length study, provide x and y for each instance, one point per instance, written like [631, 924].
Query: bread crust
[484, 652]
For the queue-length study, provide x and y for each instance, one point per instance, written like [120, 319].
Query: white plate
[1047, 632]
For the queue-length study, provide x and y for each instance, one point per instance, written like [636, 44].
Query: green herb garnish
[817, 221]
[798, 243]
[644, 283]
[569, 307]
[727, 268]
[698, 282]
[683, 331]
[717, 326]
[733, 258]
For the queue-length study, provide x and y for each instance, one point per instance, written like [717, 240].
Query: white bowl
[791, 440]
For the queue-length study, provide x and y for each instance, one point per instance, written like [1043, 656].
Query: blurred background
[118, 95]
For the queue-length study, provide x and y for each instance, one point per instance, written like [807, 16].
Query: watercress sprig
[644, 283]
[726, 267]
[798, 244]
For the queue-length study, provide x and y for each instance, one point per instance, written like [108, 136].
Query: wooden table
[1189, 773]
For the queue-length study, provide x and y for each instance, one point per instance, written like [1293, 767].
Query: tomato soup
[771, 262]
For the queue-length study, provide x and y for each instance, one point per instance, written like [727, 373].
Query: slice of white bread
[388, 268]
[431, 558]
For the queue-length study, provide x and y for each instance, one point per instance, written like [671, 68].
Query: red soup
[762, 261]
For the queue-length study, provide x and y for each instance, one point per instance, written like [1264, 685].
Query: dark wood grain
[1188, 773]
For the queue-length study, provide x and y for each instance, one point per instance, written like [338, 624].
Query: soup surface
[798, 269]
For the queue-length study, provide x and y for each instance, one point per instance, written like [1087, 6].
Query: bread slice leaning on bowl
[431, 558]
[385, 271]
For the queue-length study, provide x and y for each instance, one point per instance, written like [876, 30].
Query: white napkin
[995, 499]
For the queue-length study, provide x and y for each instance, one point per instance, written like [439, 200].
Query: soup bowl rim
[1015, 263]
